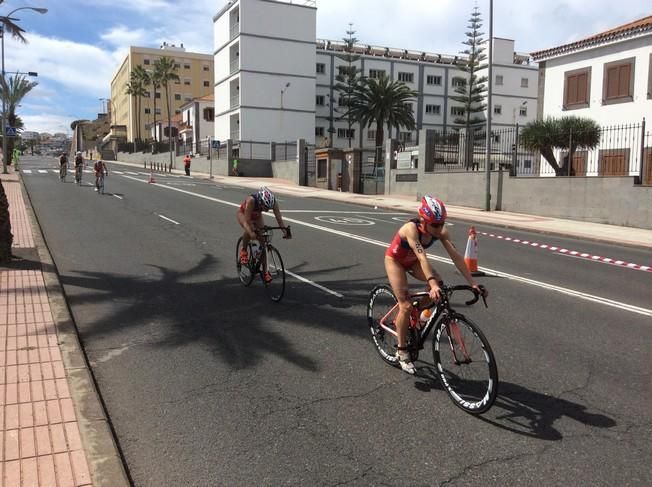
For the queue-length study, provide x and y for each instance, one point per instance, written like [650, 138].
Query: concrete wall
[286, 170]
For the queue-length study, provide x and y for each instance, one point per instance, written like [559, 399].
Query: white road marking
[110, 355]
[168, 219]
[344, 220]
[27, 171]
[513, 277]
[119, 197]
[312, 283]
[42, 171]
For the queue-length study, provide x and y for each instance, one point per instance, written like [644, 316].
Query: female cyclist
[407, 254]
[250, 218]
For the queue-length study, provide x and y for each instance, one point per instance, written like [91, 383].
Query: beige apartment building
[196, 79]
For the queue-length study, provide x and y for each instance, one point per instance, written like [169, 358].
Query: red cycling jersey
[258, 207]
[399, 249]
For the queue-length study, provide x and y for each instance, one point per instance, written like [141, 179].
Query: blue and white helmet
[266, 197]
[432, 210]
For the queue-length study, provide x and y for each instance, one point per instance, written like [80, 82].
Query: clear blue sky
[76, 47]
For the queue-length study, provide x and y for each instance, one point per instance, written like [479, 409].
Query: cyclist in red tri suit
[100, 170]
[406, 253]
[250, 218]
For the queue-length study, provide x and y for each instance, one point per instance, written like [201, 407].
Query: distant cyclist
[407, 254]
[100, 172]
[63, 165]
[250, 218]
[79, 166]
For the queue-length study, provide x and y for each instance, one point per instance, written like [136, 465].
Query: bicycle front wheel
[381, 317]
[465, 364]
[245, 273]
[276, 287]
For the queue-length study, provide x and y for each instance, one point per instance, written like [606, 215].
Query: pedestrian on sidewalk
[235, 168]
[186, 164]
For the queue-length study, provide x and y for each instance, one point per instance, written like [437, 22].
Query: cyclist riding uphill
[250, 218]
[100, 170]
[407, 254]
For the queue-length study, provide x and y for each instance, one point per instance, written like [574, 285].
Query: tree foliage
[567, 133]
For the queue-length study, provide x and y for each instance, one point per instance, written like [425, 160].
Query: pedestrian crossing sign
[10, 131]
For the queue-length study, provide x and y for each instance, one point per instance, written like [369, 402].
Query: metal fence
[372, 171]
[623, 150]
[245, 149]
[284, 151]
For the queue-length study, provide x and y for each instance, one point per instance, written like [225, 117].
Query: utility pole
[487, 168]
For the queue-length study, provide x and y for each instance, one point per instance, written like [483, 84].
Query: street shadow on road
[524, 411]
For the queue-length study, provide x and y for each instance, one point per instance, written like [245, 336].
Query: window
[457, 111]
[345, 133]
[406, 77]
[618, 84]
[209, 114]
[371, 135]
[186, 66]
[207, 84]
[577, 90]
[177, 65]
[319, 131]
[408, 106]
[459, 81]
[205, 67]
[177, 96]
[433, 109]
[146, 62]
[341, 101]
[321, 68]
[525, 82]
[187, 98]
[498, 109]
[321, 168]
[405, 136]
[319, 100]
[499, 80]
[158, 111]
[522, 111]
[376, 73]
[146, 94]
[157, 94]
[527, 164]
[433, 79]
[177, 82]
[186, 81]
[148, 111]
[177, 112]
[344, 70]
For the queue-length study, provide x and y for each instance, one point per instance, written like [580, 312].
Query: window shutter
[582, 88]
[623, 81]
[571, 90]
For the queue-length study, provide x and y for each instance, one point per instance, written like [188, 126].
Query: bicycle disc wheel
[244, 271]
[383, 307]
[465, 364]
[276, 287]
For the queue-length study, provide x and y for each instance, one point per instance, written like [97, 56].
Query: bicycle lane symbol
[344, 220]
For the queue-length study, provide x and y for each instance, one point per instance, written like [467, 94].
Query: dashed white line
[312, 283]
[119, 197]
[168, 219]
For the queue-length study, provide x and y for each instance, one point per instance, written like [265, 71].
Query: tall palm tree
[166, 71]
[155, 82]
[135, 88]
[384, 103]
[140, 77]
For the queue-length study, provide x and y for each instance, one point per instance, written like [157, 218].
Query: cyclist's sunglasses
[437, 225]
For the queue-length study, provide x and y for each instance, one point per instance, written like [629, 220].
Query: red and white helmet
[432, 210]
[266, 197]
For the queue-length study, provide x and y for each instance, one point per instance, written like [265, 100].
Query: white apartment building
[197, 122]
[606, 77]
[275, 81]
[265, 70]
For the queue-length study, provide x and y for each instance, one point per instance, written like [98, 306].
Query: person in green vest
[15, 157]
[235, 167]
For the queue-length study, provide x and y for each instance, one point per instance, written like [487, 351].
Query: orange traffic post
[151, 176]
[471, 254]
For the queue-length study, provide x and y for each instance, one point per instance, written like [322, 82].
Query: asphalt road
[209, 383]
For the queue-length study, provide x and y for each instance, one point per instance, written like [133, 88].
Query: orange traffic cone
[151, 176]
[471, 254]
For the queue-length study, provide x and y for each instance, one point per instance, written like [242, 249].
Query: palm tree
[383, 102]
[154, 81]
[166, 71]
[566, 133]
[140, 77]
[135, 88]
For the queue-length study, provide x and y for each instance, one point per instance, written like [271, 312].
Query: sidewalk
[620, 235]
[54, 431]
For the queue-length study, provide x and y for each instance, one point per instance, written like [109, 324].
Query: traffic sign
[215, 144]
[10, 131]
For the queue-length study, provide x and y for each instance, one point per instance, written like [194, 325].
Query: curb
[103, 455]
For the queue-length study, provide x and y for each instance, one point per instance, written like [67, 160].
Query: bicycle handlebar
[288, 233]
[462, 287]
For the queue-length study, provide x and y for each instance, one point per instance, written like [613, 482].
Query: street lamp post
[3, 20]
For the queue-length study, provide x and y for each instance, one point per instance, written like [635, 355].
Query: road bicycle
[99, 184]
[78, 174]
[63, 172]
[464, 362]
[257, 255]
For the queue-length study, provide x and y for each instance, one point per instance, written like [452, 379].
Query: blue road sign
[10, 131]
[215, 144]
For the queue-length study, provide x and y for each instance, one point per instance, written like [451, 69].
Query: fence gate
[310, 177]
[372, 171]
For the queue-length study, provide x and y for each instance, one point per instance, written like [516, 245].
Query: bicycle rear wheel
[245, 272]
[62, 173]
[276, 287]
[383, 308]
[465, 364]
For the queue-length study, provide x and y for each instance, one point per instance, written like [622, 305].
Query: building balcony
[235, 101]
[235, 65]
[234, 31]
